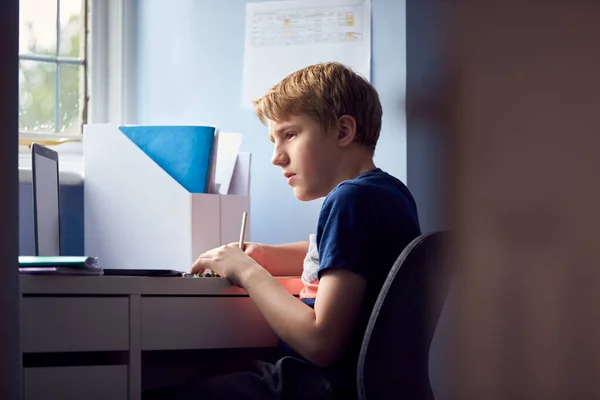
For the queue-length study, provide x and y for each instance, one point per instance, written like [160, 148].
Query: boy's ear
[346, 130]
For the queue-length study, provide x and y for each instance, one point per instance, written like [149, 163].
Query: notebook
[60, 265]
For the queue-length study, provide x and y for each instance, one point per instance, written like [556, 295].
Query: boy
[324, 122]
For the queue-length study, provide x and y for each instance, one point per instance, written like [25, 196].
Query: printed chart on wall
[284, 36]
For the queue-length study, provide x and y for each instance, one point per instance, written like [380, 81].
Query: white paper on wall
[284, 36]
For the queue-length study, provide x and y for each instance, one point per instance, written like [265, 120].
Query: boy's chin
[305, 195]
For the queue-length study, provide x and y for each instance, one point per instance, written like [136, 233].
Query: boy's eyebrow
[285, 127]
[281, 129]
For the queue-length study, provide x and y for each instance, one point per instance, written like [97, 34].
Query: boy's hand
[256, 251]
[228, 261]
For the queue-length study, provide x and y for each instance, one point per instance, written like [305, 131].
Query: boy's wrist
[249, 276]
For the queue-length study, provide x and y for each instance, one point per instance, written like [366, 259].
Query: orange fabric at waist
[309, 291]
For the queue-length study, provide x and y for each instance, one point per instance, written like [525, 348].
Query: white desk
[66, 316]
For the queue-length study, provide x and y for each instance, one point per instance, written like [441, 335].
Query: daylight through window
[52, 66]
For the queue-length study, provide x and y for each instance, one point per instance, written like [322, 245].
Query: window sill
[70, 167]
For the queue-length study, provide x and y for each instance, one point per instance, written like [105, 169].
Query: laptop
[46, 201]
[48, 258]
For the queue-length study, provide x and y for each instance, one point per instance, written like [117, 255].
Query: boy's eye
[290, 135]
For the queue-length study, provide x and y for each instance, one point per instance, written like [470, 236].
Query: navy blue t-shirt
[364, 224]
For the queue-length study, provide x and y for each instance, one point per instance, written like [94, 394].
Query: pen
[243, 230]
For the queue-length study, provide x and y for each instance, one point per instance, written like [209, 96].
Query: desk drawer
[58, 324]
[177, 323]
[107, 382]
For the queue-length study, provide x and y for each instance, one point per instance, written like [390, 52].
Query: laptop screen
[45, 201]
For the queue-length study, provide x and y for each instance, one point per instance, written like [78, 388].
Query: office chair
[394, 357]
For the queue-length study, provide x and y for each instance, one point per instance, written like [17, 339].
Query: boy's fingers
[197, 267]
[236, 244]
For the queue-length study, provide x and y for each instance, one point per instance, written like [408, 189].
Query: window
[76, 66]
[53, 84]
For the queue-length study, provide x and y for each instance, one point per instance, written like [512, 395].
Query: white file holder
[136, 216]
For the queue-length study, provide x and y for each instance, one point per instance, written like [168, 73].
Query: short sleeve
[348, 230]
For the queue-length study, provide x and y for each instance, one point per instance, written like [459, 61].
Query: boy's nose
[279, 158]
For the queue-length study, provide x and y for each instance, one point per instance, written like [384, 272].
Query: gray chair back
[394, 357]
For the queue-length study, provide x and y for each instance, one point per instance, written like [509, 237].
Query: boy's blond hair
[325, 92]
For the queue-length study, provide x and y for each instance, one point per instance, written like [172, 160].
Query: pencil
[243, 230]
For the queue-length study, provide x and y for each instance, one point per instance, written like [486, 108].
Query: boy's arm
[320, 334]
[280, 260]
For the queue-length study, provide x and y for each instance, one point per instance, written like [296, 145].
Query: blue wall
[190, 62]
[71, 224]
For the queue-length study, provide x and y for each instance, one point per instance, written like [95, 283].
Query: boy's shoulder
[364, 221]
[369, 188]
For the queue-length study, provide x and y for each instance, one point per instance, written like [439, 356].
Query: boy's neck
[354, 164]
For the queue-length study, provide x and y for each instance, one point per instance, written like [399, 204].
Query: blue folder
[183, 152]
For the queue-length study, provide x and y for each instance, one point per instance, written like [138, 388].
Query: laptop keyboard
[206, 275]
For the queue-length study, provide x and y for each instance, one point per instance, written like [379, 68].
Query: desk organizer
[137, 215]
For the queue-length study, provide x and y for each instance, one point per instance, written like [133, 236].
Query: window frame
[110, 59]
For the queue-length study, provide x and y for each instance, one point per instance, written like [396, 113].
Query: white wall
[190, 61]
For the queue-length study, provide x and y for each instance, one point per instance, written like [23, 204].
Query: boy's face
[306, 154]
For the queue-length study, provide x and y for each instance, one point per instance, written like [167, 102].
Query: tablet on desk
[159, 273]
[143, 272]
